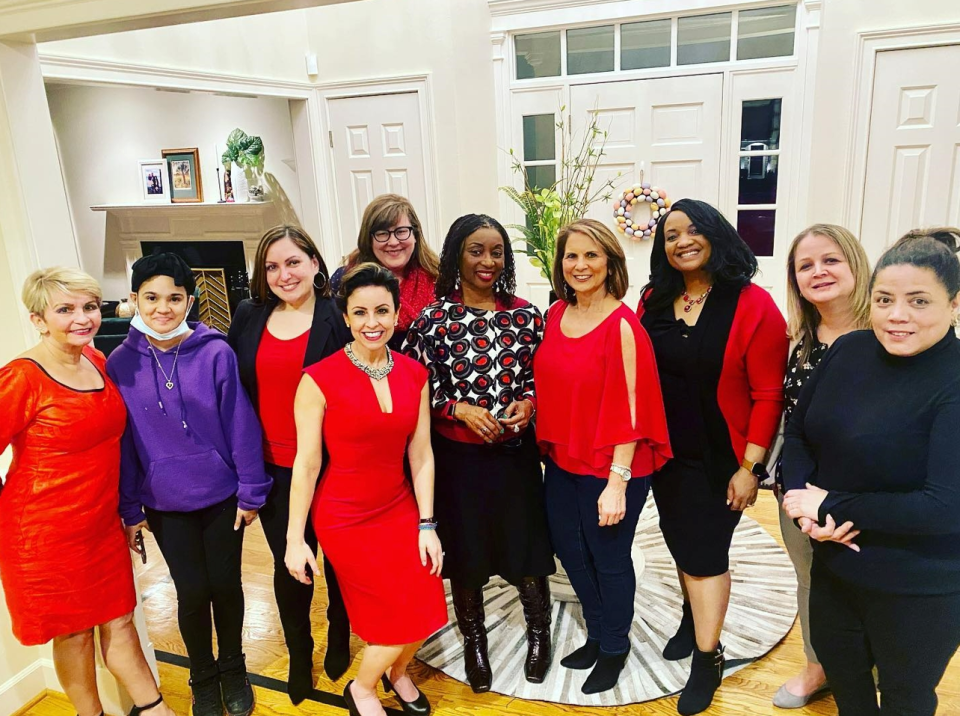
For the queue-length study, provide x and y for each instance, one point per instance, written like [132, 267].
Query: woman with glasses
[391, 235]
[478, 341]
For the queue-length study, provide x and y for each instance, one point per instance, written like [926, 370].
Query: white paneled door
[377, 149]
[673, 127]
[913, 151]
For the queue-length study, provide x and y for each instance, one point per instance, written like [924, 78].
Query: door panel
[377, 149]
[913, 150]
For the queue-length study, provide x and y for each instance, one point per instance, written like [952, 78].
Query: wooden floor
[748, 691]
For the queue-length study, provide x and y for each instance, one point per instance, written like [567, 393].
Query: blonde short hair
[40, 285]
[618, 281]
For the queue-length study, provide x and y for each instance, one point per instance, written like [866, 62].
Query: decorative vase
[124, 309]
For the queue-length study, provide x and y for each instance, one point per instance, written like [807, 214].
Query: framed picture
[154, 184]
[183, 172]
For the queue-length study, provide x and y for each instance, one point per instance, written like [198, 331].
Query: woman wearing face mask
[828, 295]
[478, 341]
[191, 472]
[721, 346]
[289, 323]
[872, 472]
[391, 235]
[369, 407]
[63, 560]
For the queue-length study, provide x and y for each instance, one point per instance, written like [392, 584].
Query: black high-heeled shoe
[418, 707]
[351, 702]
[137, 710]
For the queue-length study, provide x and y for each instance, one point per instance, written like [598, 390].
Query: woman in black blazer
[290, 322]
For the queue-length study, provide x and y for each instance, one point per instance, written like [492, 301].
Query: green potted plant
[547, 209]
[246, 152]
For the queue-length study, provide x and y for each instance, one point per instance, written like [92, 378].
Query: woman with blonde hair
[828, 295]
[391, 235]
[63, 556]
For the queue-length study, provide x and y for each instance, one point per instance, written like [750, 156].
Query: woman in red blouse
[721, 347]
[291, 322]
[391, 235]
[601, 422]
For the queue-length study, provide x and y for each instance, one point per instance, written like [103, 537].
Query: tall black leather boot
[706, 673]
[535, 598]
[336, 660]
[468, 607]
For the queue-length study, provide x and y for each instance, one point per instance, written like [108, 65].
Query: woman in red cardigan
[721, 348]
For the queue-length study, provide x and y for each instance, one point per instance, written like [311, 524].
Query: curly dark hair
[731, 261]
[448, 281]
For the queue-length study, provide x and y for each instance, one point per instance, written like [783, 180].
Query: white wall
[103, 131]
[835, 80]
[353, 41]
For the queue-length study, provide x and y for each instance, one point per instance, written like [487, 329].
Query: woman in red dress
[63, 556]
[368, 407]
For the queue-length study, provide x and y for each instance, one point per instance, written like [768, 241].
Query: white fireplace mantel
[132, 223]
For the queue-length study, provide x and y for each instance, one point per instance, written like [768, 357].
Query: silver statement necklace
[173, 371]
[374, 373]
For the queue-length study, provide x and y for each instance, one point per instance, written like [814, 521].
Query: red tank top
[279, 369]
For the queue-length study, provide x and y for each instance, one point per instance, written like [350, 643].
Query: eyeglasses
[401, 233]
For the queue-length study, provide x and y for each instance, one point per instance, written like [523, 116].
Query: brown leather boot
[468, 607]
[535, 598]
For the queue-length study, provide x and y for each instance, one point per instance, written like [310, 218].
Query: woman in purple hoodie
[191, 470]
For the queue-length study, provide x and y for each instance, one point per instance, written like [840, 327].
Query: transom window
[669, 42]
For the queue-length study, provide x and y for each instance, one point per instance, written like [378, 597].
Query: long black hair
[731, 261]
[449, 279]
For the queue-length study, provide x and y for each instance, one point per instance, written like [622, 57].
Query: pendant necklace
[173, 371]
[374, 373]
[691, 302]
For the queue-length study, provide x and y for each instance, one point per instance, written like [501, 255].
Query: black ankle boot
[584, 657]
[235, 686]
[535, 598]
[681, 644]
[205, 687]
[468, 607]
[706, 673]
[336, 660]
[606, 673]
[300, 675]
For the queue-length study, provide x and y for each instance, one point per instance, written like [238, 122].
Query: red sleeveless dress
[364, 513]
[64, 560]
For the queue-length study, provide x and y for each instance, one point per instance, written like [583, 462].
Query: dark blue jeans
[597, 559]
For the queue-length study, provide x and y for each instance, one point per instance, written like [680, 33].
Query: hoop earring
[322, 283]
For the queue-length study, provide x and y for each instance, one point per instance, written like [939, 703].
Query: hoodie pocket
[187, 482]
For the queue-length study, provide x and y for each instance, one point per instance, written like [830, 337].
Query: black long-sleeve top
[881, 434]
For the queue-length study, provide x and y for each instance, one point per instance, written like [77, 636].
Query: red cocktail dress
[64, 560]
[365, 513]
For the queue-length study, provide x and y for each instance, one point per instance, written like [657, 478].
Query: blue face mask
[138, 323]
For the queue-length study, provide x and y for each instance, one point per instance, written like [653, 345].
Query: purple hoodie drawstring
[156, 389]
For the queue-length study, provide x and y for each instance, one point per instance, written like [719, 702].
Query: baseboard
[23, 688]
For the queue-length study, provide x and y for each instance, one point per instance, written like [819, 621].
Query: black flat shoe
[418, 707]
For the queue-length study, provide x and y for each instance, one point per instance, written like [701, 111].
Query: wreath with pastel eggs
[628, 210]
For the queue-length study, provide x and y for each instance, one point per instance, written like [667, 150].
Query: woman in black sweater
[872, 468]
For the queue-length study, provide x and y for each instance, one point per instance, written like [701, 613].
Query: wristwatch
[623, 472]
[757, 469]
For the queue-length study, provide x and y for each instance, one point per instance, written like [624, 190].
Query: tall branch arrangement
[547, 209]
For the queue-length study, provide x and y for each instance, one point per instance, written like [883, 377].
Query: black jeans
[203, 553]
[293, 597]
[910, 639]
[597, 560]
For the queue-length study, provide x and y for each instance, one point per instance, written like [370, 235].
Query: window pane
[538, 55]
[760, 125]
[645, 44]
[542, 177]
[703, 38]
[756, 228]
[538, 137]
[767, 32]
[590, 49]
[758, 180]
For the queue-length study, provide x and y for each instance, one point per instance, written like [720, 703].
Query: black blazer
[328, 334]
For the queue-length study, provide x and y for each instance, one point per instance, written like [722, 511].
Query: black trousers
[293, 597]
[598, 560]
[203, 553]
[910, 639]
